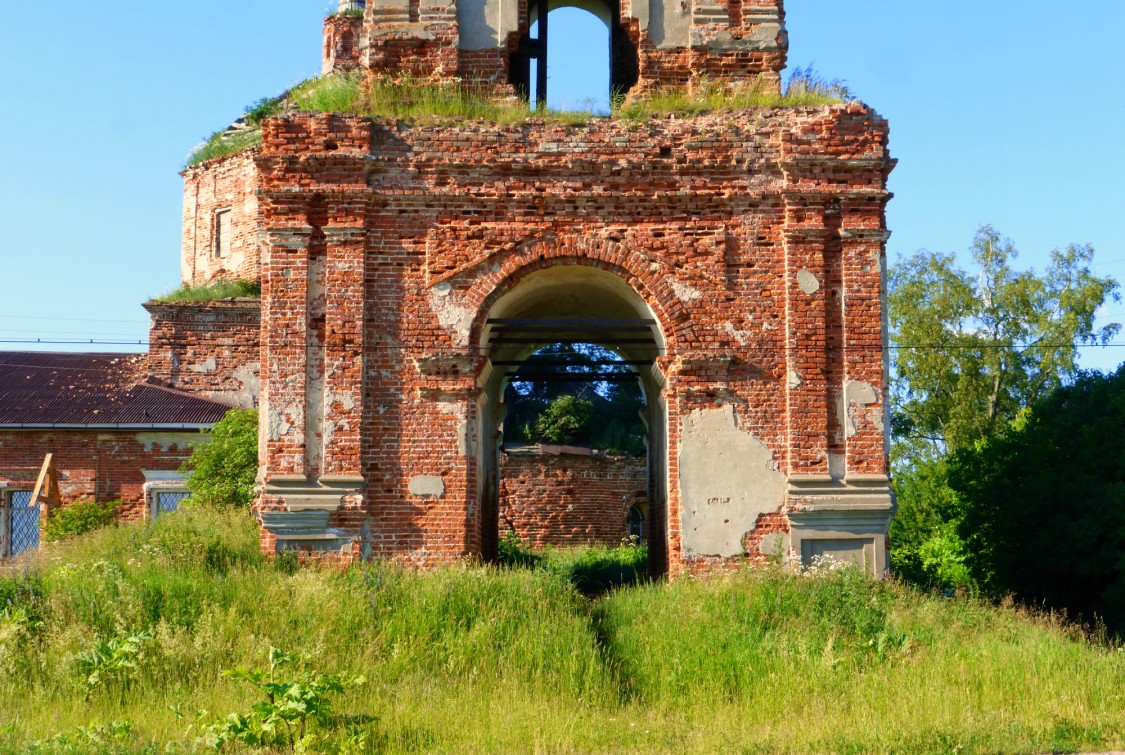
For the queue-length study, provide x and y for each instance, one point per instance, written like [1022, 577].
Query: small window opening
[635, 523]
[167, 500]
[222, 233]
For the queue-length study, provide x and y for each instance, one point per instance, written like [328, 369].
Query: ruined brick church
[735, 260]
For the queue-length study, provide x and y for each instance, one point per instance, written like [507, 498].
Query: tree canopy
[1044, 501]
[224, 469]
[971, 351]
[975, 348]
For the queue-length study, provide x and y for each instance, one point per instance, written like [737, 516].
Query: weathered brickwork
[95, 465]
[570, 500]
[746, 249]
[755, 240]
[212, 349]
[657, 45]
[224, 185]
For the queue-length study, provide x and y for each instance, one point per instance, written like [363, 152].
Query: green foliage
[225, 143]
[974, 349]
[926, 548]
[409, 98]
[615, 424]
[1045, 501]
[214, 291]
[112, 664]
[224, 469]
[805, 88]
[567, 419]
[479, 659]
[292, 712]
[77, 519]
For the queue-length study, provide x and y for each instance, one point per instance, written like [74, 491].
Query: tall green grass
[471, 659]
[220, 289]
[408, 98]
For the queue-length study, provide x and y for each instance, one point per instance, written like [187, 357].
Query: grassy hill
[118, 642]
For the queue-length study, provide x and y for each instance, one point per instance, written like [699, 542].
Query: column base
[300, 524]
[842, 520]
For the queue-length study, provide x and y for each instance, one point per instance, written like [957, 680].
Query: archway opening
[575, 56]
[572, 416]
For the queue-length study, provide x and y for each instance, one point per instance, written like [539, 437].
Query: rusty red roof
[52, 389]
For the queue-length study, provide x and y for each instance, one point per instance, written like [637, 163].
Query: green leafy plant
[289, 710]
[113, 663]
[77, 519]
[223, 470]
[567, 419]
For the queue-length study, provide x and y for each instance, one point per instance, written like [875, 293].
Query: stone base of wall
[569, 499]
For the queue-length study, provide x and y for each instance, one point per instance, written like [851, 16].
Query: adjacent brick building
[114, 435]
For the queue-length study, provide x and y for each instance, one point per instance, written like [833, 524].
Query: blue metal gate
[23, 523]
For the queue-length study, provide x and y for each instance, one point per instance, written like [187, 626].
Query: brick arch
[633, 268]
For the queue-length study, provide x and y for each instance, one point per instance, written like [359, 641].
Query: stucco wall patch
[808, 282]
[727, 479]
[427, 486]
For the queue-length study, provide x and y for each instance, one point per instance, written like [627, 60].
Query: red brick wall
[569, 500]
[212, 349]
[418, 229]
[221, 184]
[104, 466]
[342, 36]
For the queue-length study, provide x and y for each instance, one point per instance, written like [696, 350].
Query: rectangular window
[222, 233]
[167, 501]
[20, 518]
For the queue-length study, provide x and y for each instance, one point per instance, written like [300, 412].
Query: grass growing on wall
[473, 659]
[413, 99]
[220, 289]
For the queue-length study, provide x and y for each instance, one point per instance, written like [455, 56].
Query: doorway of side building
[572, 416]
[575, 56]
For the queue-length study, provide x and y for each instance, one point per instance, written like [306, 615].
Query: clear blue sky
[1002, 112]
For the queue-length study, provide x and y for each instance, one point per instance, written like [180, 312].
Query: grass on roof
[221, 289]
[407, 98]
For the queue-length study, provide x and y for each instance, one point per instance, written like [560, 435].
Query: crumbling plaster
[727, 479]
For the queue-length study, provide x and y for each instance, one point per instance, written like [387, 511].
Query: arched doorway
[572, 304]
[566, 50]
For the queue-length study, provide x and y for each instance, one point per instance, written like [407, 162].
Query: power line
[405, 347]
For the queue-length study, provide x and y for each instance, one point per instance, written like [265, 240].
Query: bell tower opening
[575, 56]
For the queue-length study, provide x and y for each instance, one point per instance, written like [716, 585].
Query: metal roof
[39, 389]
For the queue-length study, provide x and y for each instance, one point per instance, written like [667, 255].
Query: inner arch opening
[580, 332]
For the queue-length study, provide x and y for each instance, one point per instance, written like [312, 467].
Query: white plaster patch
[794, 379]
[837, 466]
[427, 486]
[727, 479]
[453, 316]
[807, 282]
[465, 445]
[168, 441]
[859, 395]
[205, 367]
[742, 336]
[685, 292]
[277, 424]
[345, 400]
